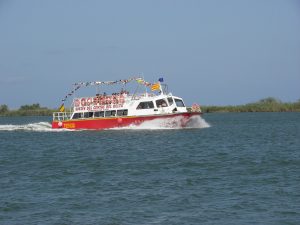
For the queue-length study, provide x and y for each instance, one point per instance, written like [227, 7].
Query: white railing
[60, 116]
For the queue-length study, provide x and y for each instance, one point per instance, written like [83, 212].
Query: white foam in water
[40, 127]
[169, 123]
[156, 124]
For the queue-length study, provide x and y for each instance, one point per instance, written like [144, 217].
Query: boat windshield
[170, 100]
[179, 102]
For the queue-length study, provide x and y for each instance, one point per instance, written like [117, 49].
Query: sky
[208, 52]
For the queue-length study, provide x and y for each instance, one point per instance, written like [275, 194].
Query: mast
[160, 88]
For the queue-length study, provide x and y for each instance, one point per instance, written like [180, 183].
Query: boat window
[123, 112]
[110, 113]
[170, 100]
[179, 103]
[99, 114]
[88, 114]
[145, 105]
[161, 103]
[77, 116]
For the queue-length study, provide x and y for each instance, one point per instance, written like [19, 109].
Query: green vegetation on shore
[265, 105]
[26, 110]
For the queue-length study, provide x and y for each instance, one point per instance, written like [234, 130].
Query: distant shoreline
[265, 105]
[283, 107]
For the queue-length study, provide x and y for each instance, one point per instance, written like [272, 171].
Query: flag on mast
[155, 87]
[62, 108]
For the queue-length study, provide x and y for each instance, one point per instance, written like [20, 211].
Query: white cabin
[122, 104]
[127, 105]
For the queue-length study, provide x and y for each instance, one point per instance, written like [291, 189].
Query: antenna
[145, 86]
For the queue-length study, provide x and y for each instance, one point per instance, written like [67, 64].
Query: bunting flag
[155, 87]
[124, 81]
[107, 82]
[140, 81]
[62, 108]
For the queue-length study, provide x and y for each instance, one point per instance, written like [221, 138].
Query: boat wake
[156, 124]
[170, 123]
[39, 127]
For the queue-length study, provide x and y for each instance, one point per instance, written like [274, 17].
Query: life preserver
[89, 101]
[60, 124]
[83, 102]
[76, 102]
[120, 120]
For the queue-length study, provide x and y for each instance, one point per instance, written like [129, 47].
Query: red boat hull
[115, 122]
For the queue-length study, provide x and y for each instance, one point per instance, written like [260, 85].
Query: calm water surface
[243, 169]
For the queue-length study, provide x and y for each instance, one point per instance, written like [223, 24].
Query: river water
[230, 168]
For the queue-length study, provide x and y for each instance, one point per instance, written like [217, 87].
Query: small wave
[197, 122]
[167, 124]
[39, 127]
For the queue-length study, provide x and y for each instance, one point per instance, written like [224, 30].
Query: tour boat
[122, 109]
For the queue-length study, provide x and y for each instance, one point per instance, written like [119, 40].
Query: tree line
[26, 110]
[264, 105]
[269, 104]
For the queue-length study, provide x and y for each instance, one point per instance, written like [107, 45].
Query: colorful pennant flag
[155, 87]
[62, 108]
[139, 81]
